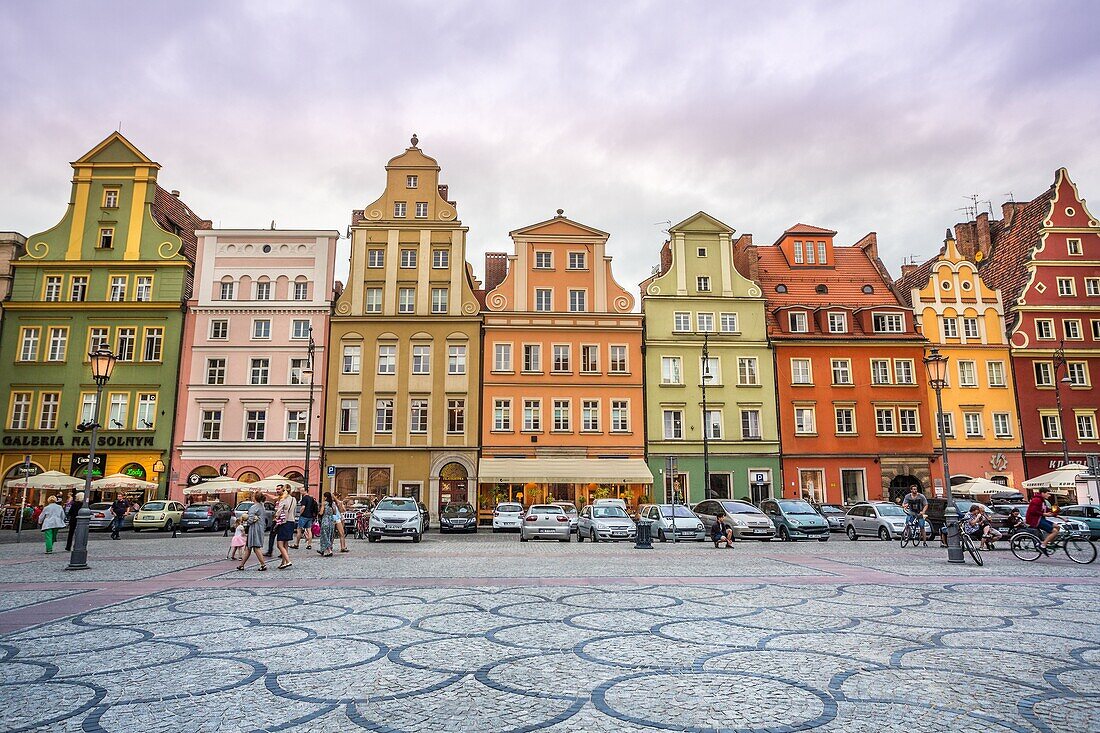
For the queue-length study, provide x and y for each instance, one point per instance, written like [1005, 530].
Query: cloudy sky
[857, 116]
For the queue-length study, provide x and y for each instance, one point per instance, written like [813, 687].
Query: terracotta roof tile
[175, 216]
[1006, 266]
[918, 278]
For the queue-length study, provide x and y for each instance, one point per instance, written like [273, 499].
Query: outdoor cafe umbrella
[122, 482]
[1060, 480]
[219, 485]
[271, 483]
[47, 481]
[975, 486]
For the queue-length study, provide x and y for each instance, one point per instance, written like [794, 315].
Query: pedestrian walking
[118, 510]
[273, 528]
[256, 521]
[51, 520]
[240, 537]
[74, 509]
[286, 512]
[341, 530]
[328, 524]
[307, 515]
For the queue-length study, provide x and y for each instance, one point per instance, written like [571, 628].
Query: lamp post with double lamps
[706, 416]
[103, 364]
[309, 416]
[936, 364]
[1060, 361]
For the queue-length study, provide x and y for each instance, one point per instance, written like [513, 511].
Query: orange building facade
[851, 381]
[562, 393]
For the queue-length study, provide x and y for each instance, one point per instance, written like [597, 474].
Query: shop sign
[134, 470]
[77, 441]
[79, 465]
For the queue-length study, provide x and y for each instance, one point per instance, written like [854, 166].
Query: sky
[856, 116]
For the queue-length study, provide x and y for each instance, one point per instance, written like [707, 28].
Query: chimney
[666, 257]
[496, 269]
[984, 244]
[746, 258]
[869, 244]
[966, 239]
[909, 268]
[175, 193]
[443, 194]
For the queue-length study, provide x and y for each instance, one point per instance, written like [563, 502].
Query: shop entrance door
[853, 485]
[811, 482]
[453, 483]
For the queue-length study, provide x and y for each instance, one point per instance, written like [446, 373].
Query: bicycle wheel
[906, 535]
[968, 545]
[1025, 547]
[1081, 551]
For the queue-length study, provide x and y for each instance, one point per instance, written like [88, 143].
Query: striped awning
[564, 471]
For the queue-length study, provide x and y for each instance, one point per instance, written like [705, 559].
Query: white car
[395, 516]
[688, 526]
[508, 516]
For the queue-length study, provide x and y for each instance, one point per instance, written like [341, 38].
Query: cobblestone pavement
[485, 634]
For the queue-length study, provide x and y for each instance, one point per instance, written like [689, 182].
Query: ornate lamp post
[103, 364]
[1060, 361]
[706, 417]
[309, 416]
[936, 363]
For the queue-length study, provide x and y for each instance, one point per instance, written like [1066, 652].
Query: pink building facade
[260, 299]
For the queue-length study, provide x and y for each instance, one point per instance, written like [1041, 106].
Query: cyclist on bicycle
[1037, 517]
[916, 509]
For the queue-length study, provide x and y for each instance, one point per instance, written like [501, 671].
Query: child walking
[239, 538]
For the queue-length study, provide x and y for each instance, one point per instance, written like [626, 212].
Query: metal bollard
[954, 544]
[643, 540]
[78, 559]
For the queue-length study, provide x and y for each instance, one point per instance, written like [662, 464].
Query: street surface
[482, 633]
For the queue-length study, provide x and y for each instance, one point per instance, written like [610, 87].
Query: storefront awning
[564, 471]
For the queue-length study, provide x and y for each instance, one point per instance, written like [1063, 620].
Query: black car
[458, 516]
[211, 516]
[425, 516]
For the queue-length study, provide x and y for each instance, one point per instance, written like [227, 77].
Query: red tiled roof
[1010, 253]
[918, 278]
[809, 229]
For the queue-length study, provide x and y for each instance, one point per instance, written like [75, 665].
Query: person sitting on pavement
[976, 525]
[1038, 517]
[720, 532]
[1015, 522]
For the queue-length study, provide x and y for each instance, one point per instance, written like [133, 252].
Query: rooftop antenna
[119, 127]
[1011, 198]
[667, 225]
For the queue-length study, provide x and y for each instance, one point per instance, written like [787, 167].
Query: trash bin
[644, 538]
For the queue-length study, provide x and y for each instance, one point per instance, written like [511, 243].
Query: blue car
[1084, 514]
[796, 519]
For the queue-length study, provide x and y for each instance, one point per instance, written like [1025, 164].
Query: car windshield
[397, 505]
[890, 510]
[796, 507]
[605, 512]
[511, 508]
[457, 510]
[101, 505]
[567, 508]
[736, 507]
[830, 509]
[681, 512]
[153, 506]
[199, 506]
[545, 509]
[244, 506]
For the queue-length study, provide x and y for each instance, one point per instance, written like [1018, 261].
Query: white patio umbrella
[979, 485]
[1060, 480]
[48, 481]
[219, 485]
[270, 483]
[122, 482]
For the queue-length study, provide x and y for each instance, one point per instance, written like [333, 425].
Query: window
[301, 291]
[456, 359]
[845, 420]
[798, 322]
[59, 344]
[376, 258]
[907, 420]
[968, 374]
[702, 283]
[712, 422]
[118, 412]
[1071, 329]
[383, 416]
[578, 261]
[532, 358]
[620, 416]
[219, 329]
[561, 358]
[127, 344]
[28, 344]
[227, 290]
[146, 416]
[701, 251]
[422, 359]
[21, 410]
[78, 288]
[439, 300]
[800, 372]
[441, 259]
[349, 416]
[681, 321]
[618, 363]
[1044, 374]
[705, 322]
[747, 373]
[590, 416]
[406, 300]
[821, 253]
[950, 327]
[118, 288]
[352, 359]
[887, 322]
[810, 253]
[502, 415]
[1078, 373]
[1092, 286]
[261, 328]
[1073, 246]
[884, 420]
[421, 209]
[300, 328]
[400, 208]
[211, 425]
[373, 303]
[263, 290]
[838, 322]
[543, 299]
[411, 181]
[590, 358]
[110, 198]
[532, 415]
[670, 370]
[387, 360]
[1086, 426]
[98, 339]
[418, 417]
[842, 371]
[995, 371]
[1052, 429]
[1066, 287]
[153, 347]
[709, 370]
[903, 372]
[51, 293]
[1002, 427]
[296, 367]
[106, 238]
[408, 259]
[215, 371]
[576, 301]
[562, 408]
[47, 413]
[804, 421]
[750, 424]
[880, 371]
[502, 357]
[1095, 329]
[143, 290]
[674, 424]
[544, 260]
[947, 425]
[259, 371]
[970, 328]
[295, 424]
[728, 322]
[255, 424]
[798, 259]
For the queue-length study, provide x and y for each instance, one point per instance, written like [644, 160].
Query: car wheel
[661, 535]
[416, 538]
[822, 539]
[371, 538]
[784, 534]
[580, 537]
[594, 537]
[565, 539]
[851, 531]
[521, 537]
[884, 534]
[183, 530]
[169, 525]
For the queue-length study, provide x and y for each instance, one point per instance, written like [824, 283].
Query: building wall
[12, 246]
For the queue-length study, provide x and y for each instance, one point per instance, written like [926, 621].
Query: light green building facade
[698, 298]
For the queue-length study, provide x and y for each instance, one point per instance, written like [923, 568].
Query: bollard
[78, 559]
[954, 544]
[643, 540]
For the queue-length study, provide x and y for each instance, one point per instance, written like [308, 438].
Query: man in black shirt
[916, 506]
[307, 515]
[118, 511]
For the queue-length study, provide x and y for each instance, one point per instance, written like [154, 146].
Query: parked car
[795, 519]
[160, 514]
[570, 510]
[212, 516]
[882, 519]
[507, 515]
[396, 516]
[244, 506]
[102, 517]
[834, 514]
[458, 516]
[545, 522]
[747, 521]
[688, 526]
[1086, 514]
[425, 516]
[605, 522]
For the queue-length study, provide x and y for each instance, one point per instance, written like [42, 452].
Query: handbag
[316, 529]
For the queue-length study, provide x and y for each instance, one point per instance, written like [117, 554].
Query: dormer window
[797, 252]
[810, 253]
[412, 181]
[798, 322]
[838, 323]
[887, 322]
[821, 253]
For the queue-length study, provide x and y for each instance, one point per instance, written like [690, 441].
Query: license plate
[619, 534]
[546, 529]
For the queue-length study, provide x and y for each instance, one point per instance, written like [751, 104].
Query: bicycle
[968, 545]
[1076, 543]
[911, 533]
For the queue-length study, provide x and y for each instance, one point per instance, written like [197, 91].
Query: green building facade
[115, 273]
[696, 299]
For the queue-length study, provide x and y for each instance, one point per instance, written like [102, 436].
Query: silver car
[608, 523]
[244, 506]
[395, 516]
[102, 517]
[570, 510]
[882, 519]
[545, 522]
[687, 525]
[746, 521]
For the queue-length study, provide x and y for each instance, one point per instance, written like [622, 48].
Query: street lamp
[936, 363]
[706, 417]
[1060, 361]
[309, 415]
[103, 364]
